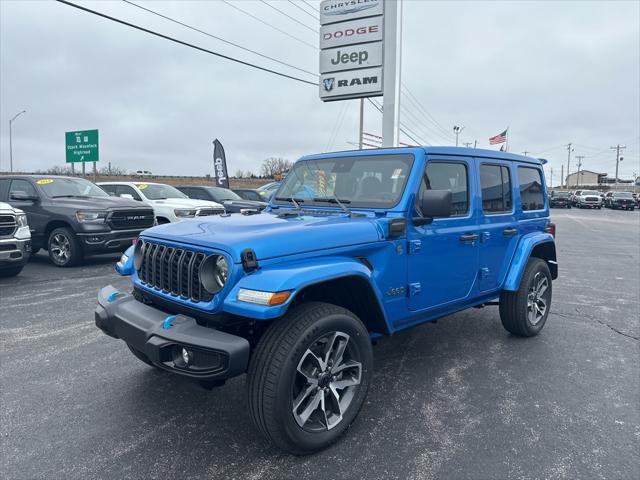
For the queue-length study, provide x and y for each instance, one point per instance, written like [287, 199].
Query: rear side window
[127, 190]
[449, 176]
[496, 188]
[531, 189]
[22, 186]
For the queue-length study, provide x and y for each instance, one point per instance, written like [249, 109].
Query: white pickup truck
[15, 240]
[169, 204]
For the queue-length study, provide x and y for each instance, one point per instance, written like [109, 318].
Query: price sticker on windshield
[143, 186]
[44, 181]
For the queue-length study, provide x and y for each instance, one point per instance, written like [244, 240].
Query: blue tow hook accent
[112, 296]
[166, 324]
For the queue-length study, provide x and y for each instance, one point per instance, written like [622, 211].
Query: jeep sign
[349, 33]
[349, 58]
[352, 84]
[332, 11]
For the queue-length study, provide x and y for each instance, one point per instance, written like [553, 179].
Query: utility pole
[526, 152]
[551, 177]
[11, 139]
[579, 164]
[466, 144]
[562, 179]
[475, 144]
[617, 148]
[361, 124]
[569, 150]
[457, 130]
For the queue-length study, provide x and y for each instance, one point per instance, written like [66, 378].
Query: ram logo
[328, 83]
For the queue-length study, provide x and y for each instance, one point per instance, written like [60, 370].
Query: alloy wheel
[327, 378]
[538, 298]
[60, 248]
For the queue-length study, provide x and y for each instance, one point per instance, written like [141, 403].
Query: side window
[22, 186]
[4, 189]
[126, 189]
[110, 189]
[496, 188]
[449, 176]
[531, 195]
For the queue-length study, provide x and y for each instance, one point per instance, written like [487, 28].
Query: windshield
[623, 195]
[156, 191]
[222, 194]
[69, 187]
[589, 192]
[561, 194]
[372, 181]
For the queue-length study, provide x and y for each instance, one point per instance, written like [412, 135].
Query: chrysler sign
[351, 84]
[332, 11]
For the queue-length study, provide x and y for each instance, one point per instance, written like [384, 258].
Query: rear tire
[309, 376]
[525, 311]
[10, 272]
[64, 248]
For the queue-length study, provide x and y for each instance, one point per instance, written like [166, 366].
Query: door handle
[469, 237]
[510, 232]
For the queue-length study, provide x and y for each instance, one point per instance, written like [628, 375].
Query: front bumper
[108, 241]
[215, 355]
[14, 252]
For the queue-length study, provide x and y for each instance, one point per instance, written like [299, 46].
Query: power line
[219, 38]
[175, 40]
[290, 17]
[403, 130]
[310, 6]
[425, 111]
[305, 11]
[269, 25]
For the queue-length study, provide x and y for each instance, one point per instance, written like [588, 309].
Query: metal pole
[11, 139]
[562, 179]
[83, 171]
[475, 143]
[579, 157]
[391, 75]
[94, 172]
[568, 160]
[361, 124]
[617, 148]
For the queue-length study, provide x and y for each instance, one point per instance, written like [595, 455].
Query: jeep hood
[269, 235]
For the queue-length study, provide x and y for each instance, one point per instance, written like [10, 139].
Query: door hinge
[484, 272]
[414, 246]
[414, 289]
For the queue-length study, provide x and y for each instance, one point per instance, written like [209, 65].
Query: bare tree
[239, 174]
[274, 165]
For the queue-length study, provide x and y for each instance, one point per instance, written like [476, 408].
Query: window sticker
[143, 186]
[44, 181]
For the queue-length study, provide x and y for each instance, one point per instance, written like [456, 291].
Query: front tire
[64, 248]
[525, 311]
[309, 376]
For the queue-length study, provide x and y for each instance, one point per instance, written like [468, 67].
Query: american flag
[500, 138]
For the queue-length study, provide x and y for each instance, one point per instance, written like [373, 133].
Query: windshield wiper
[335, 200]
[295, 201]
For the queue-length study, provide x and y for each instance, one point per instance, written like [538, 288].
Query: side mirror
[23, 196]
[433, 203]
[126, 195]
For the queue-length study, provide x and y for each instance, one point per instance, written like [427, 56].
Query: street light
[11, 139]
[457, 130]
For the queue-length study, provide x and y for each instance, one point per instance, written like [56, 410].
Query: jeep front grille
[8, 225]
[131, 219]
[173, 270]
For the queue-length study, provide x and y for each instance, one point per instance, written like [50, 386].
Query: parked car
[588, 199]
[249, 194]
[293, 296]
[231, 201]
[559, 199]
[143, 174]
[574, 197]
[15, 240]
[620, 200]
[169, 204]
[269, 189]
[72, 217]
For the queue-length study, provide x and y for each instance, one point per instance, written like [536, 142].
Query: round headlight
[214, 272]
[138, 254]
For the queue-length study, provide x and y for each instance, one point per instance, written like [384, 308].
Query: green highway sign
[82, 146]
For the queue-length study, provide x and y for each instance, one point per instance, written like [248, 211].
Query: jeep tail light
[551, 228]
[258, 297]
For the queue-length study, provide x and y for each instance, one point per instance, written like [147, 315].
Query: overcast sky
[553, 72]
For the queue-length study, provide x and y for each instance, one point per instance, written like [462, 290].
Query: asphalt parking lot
[459, 399]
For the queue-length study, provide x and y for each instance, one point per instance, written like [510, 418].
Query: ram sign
[351, 49]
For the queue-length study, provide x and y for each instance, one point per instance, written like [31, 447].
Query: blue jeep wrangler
[353, 246]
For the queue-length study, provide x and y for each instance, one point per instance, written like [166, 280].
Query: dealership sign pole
[360, 55]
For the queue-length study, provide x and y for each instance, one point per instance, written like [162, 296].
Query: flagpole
[507, 142]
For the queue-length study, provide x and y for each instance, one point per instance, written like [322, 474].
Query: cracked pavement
[458, 399]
